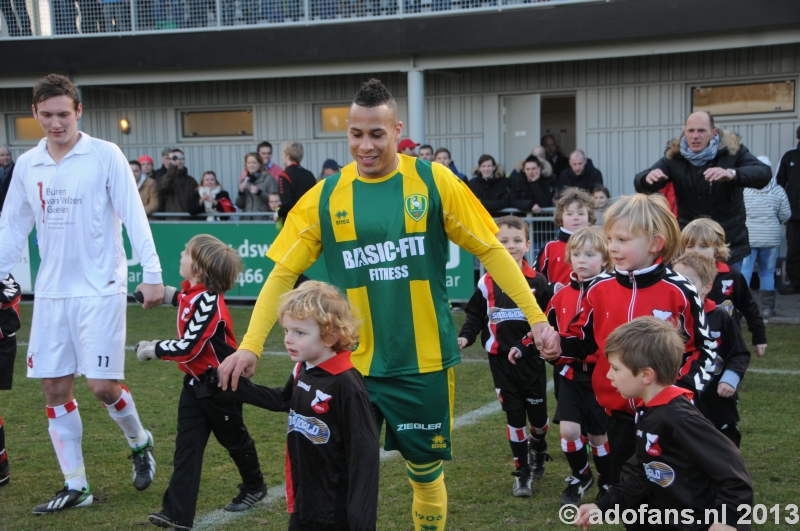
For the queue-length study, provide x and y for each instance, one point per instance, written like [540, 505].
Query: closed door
[521, 125]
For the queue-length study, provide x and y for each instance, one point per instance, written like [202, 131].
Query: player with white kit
[76, 190]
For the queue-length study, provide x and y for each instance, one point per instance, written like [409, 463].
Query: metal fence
[47, 18]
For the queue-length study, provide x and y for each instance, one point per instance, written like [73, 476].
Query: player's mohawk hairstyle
[373, 93]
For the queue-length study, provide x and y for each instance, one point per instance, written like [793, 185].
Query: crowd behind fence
[42, 18]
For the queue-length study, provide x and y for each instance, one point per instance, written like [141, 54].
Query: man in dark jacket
[708, 169]
[490, 186]
[581, 173]
[165, 162]
[532, 189]
[6, 170]
[295, 180]
[553, 154]
[789, 177]
[176, 187]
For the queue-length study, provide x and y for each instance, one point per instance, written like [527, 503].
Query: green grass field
[478, 479]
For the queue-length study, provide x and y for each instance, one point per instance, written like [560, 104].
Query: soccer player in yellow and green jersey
[384, 223]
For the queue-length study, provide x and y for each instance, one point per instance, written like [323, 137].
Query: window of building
[331, 120]
[23, 129]
[204, 124]
[751, 98]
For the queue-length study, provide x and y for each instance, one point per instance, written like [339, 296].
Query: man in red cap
[407, 147]
[147, 165]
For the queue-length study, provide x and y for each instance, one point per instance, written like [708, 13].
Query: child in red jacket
[205, 338]
[9, 324]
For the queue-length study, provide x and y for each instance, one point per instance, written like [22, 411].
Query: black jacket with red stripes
[683, 463]
[10, 294]
[205, 331]
[656, 291]
[732, 294]
[552, 262]
[732, 355]
[333, 449]
[492, 314]
[564, 307]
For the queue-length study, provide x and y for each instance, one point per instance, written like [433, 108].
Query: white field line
[218, 518]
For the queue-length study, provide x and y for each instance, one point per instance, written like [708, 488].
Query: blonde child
[719, 399]
[683, 467]
[643, 236]
[521, 388]
[577, 409]
[333, 452]
[205, 338]
[574, 209]
[730, 291]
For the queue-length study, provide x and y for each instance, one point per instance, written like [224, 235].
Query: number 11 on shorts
[100, 361]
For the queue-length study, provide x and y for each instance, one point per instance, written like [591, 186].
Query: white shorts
[80, 335]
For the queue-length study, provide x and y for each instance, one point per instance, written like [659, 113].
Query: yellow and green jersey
[385, 245]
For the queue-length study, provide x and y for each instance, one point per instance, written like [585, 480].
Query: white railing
[62, 18]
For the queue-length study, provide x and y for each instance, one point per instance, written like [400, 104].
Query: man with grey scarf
[708, 170]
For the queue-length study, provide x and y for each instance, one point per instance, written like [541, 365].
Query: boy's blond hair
[594, 236]
[704, 266]
[648, 342]
[573, 195]
[709, 232]
[327, 306]
[515, 223]
[648, 216]
[217, 264]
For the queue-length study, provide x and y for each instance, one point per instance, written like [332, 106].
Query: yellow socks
[429, 508]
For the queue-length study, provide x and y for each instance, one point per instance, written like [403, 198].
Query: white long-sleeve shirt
[78, 207]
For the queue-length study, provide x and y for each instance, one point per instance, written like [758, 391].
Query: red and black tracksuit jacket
[732, 355]
[10, 295]
[205, 331]
[333, 451]
[732, 294]
[683, 463]
[656, 291]
[564, 307]
[492, 314]
[552, 262]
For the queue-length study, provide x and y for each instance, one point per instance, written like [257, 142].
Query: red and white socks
[575, 452]
[66, 432]
[124, 413]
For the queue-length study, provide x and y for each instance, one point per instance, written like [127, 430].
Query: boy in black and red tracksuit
[730, 291]
[641, 285]
[333, 451]
[521, 388]
[719, 399]
[577, 410]
[9, 324]
[682, 467]
[574, 209]
[205, 332]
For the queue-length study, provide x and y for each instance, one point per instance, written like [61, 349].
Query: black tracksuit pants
[197, 419]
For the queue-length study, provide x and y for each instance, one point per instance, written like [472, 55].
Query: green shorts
[418, 409]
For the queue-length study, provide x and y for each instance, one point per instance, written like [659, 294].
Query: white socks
[66, 432]
[123, 411]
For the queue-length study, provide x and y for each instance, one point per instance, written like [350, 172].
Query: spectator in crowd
[274, 205]
[255, 186]
[210, 198]
[766, 210]
[553, 155]
[601, 197]
[265, 150]
[148, 189]
[407, 147]
[91, 16]
[532, 188]
[442, 156]
[165, 162]
[177, 186]
[116, 16]
[6, 171]
[581, 173]
[295, 180]
[146, 162]
[709, 169]
[490, 186]
[329, 167]
[19, 25]
[789, 178]
[537, 151]
[426, 152]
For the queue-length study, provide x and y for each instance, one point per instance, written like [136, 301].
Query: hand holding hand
[725, 391]
[146, 350]
[462, 343]
[153, 294]
[513, 355]
[240, 363]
